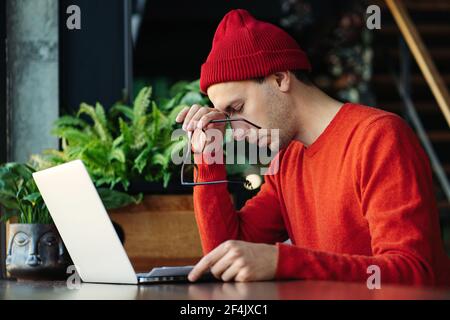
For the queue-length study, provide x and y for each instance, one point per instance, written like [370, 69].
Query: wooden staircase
[432, 19]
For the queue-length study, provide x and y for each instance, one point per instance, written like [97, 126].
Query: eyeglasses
[247, 184]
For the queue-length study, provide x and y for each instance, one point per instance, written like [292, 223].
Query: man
[353, 190]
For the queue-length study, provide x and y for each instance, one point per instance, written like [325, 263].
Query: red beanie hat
[244, 48]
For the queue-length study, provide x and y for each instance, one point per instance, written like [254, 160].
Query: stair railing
[421, 55]
[412, 40]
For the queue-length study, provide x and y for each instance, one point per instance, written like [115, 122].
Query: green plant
[19, 195]
[184, 93]
[123, 144]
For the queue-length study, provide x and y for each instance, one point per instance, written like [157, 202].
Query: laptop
[88, 233]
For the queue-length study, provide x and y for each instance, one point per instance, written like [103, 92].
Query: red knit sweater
[360, 195]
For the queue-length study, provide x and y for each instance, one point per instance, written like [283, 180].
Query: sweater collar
[328, 133]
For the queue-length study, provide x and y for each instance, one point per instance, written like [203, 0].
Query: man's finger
[194, 119]
[182, 114]
[231, 272]
[198, 140]
[206, 262]
[204, 120]
[222, 264]
[192, 110]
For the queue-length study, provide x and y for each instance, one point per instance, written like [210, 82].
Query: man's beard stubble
[279, 115]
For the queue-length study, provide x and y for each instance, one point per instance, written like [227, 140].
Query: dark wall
[3, 127]
[176, 36]
[95, 62]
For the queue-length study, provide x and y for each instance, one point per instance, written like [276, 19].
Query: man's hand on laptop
[239, 261]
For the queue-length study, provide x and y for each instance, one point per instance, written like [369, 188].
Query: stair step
[427, 106]
[446, 168]
[443, 204]
[424, 30]
[385, 79]
[384, 86]
[428, 5]
[387, 55]
[439, 135]
[437, 53]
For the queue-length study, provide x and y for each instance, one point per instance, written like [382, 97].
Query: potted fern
[127, 149]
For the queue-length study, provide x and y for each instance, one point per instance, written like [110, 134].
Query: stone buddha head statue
[36, 251]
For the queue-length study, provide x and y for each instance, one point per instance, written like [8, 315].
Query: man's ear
[283, 80]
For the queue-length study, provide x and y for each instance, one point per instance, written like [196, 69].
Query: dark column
[96, 60]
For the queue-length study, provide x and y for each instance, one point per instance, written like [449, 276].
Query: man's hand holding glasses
[196, 120]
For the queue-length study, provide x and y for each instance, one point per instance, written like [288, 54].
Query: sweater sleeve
[396, 198]
[260, 220]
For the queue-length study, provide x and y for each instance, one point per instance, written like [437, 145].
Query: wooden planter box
[160, 231]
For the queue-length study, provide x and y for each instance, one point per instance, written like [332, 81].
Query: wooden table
[271, 290]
